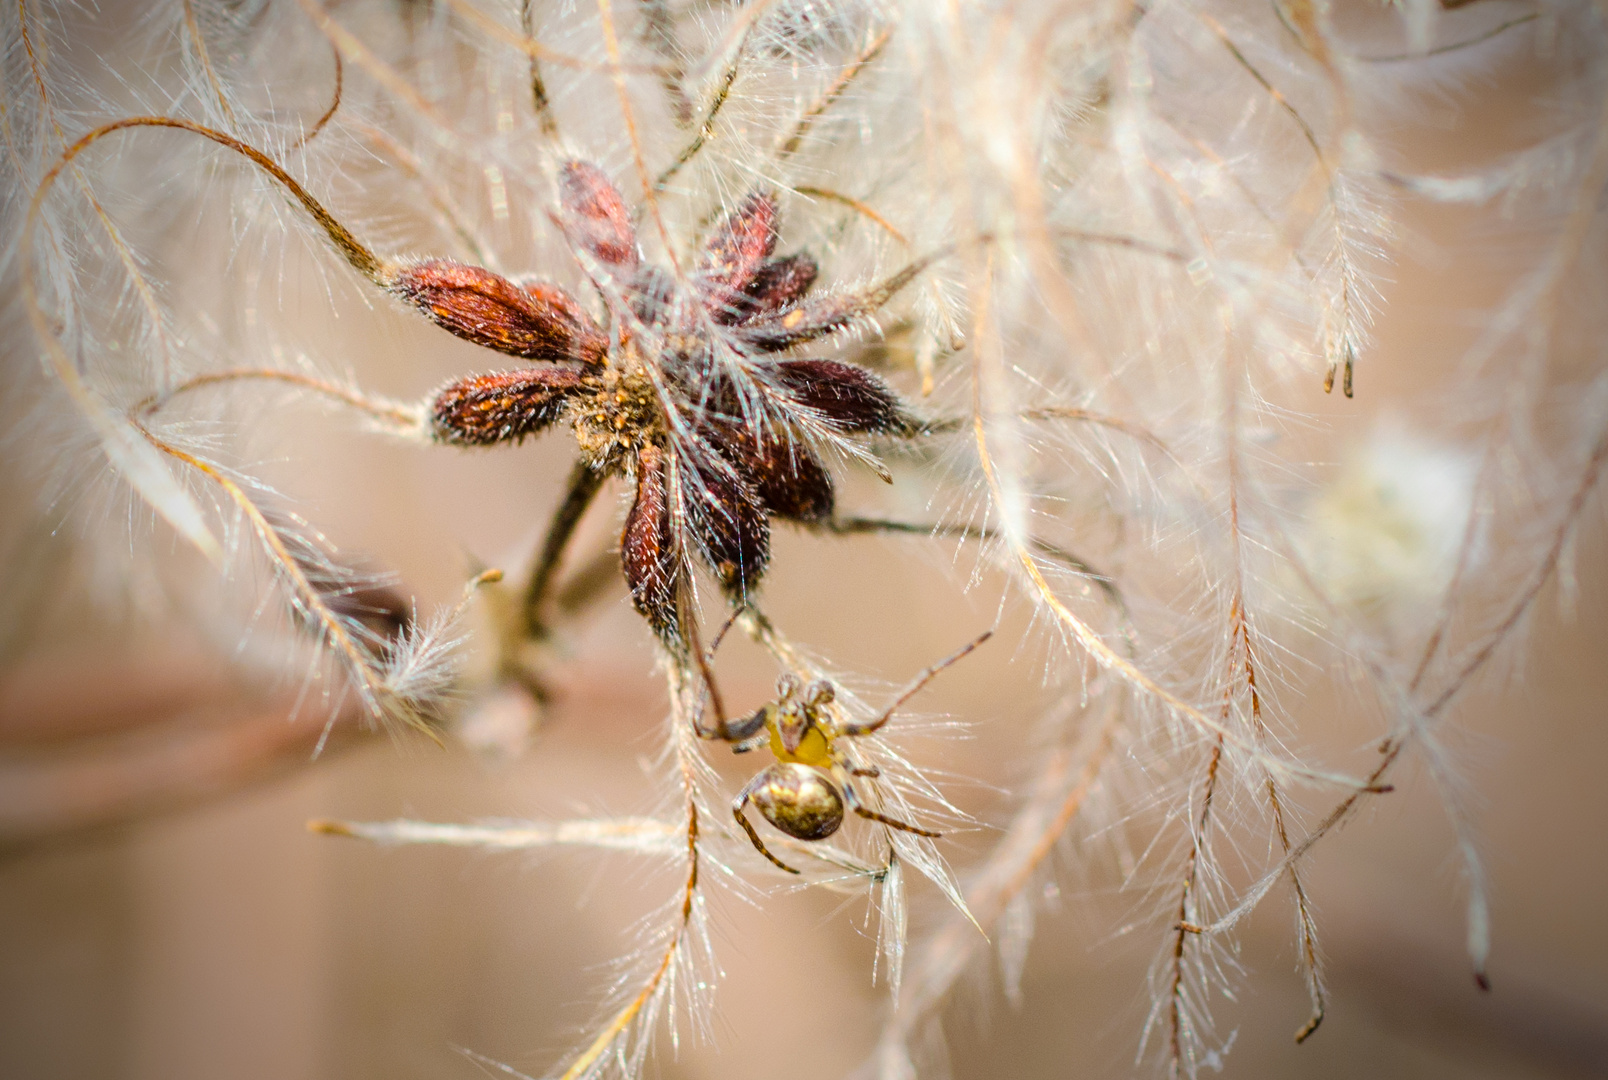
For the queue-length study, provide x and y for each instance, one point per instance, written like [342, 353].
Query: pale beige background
[216, 938]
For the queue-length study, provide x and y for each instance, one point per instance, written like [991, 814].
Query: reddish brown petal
[792, 482]
[781, 282]
[736, 251]
[799, 324]
[819, 317]
[595, 215]
[647, 547]
[789, 479]
[727, 523]
[535, 322]
[778, 284]
[849, 396]
[507, 405]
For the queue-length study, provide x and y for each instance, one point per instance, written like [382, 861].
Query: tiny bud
[329, 828]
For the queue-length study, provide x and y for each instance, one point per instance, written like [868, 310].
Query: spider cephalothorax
[678, 390]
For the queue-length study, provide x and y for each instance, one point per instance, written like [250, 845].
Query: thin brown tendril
[362, 259]
[334, 105]
[856, 205]
[705, 129]
[401, 415]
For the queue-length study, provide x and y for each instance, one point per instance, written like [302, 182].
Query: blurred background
[165, 914]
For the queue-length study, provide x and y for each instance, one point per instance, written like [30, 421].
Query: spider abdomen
[800, 801]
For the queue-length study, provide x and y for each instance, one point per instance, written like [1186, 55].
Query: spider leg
[720, 635]
[859, 526]
[883, 819]
[737, 812]
[746, 734]
[912, 689]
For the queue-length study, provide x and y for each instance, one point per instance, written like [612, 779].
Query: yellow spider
[805, 792]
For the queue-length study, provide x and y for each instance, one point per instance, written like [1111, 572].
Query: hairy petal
[647, 546]
[785, 474]
[736, 251]
[779, 284]
[728, 523]
[851, 397]
[595, 215]
[819, 317]
[784, 281]
[484, 410]
[532, 322]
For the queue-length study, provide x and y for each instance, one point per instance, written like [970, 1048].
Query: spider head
[798, 734]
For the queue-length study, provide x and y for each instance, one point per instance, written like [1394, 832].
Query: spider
[805, 791]
[673, 392]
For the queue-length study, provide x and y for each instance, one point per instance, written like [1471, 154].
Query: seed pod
[849, 396]
[800, 801]
[647, 547]
[595, 216]
[533, 322]
[484, 410]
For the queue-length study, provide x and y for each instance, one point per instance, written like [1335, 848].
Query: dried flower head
[676, 391]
